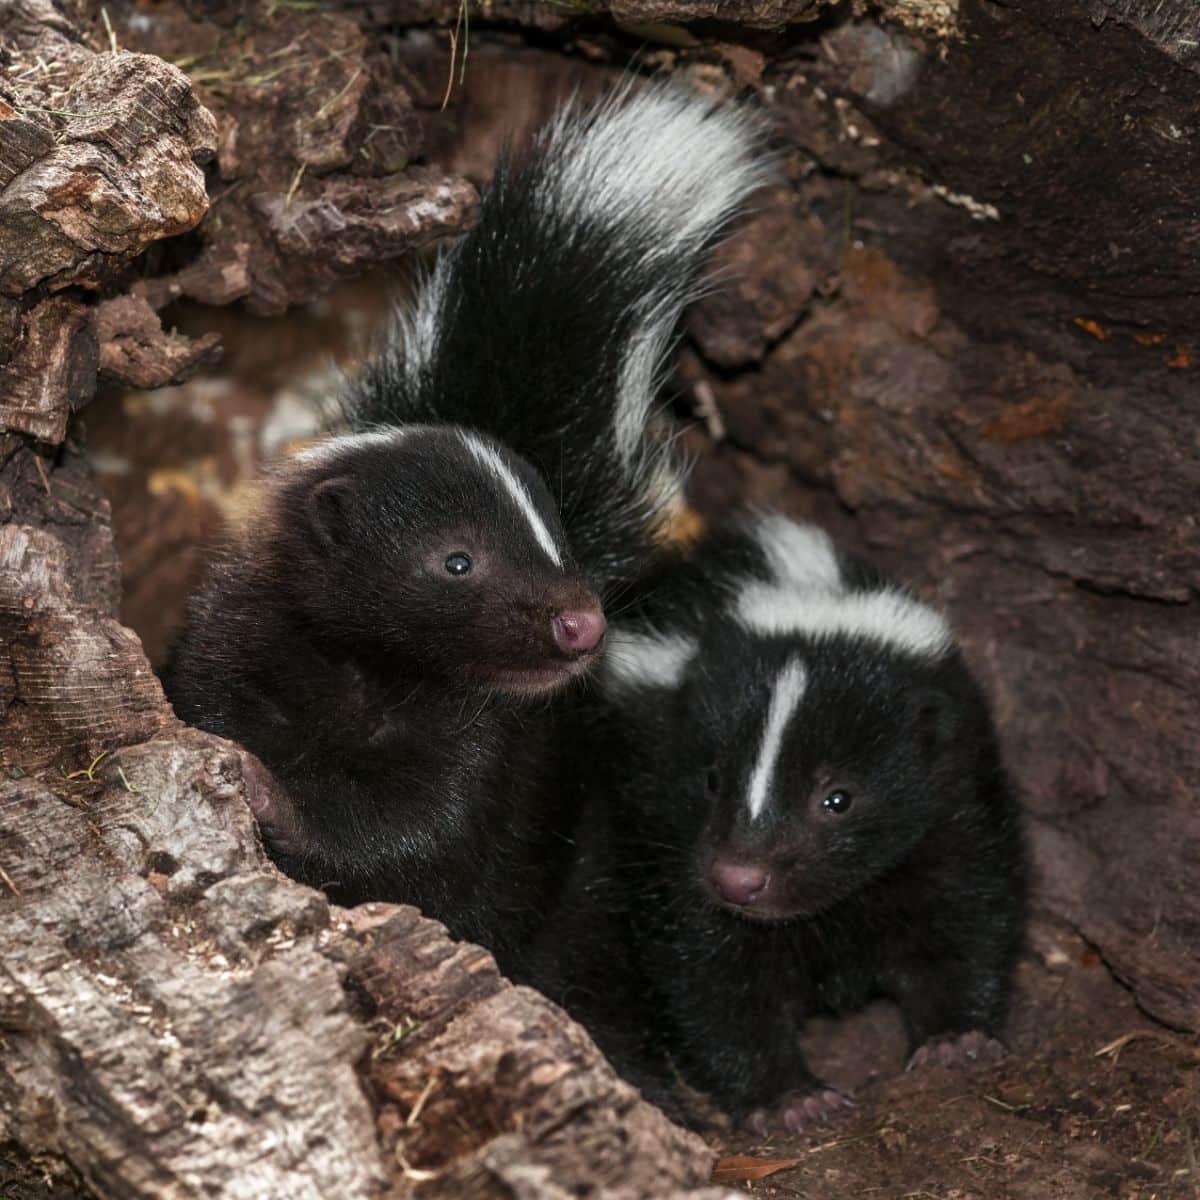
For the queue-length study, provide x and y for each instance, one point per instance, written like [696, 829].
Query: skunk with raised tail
[376, 635]
[550, 325]
[791, 801]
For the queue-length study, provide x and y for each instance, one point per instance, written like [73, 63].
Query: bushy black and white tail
[549, 325]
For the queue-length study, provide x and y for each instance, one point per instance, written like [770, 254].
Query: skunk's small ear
[936, 717]
[330, 505]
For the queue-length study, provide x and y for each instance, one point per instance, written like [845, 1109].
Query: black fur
[916, 892]
[389, 698]
[384, 693]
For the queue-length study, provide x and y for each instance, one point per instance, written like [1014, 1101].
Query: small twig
[41, 470]
[465, 10]
[709, 411]
[292, 45]
[458, 26]
[1152, 1145]
[414, 1173]
[66, 112]
[89, 772]
[395, 1035]
[129, 787]
[334, 99]
[1114, 1048]
[418, 1108]
[8, 879]
[849, 1141]
[233, 187]
[112, 37]
[287, 200]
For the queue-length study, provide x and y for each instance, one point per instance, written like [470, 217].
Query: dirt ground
[1095, 1100]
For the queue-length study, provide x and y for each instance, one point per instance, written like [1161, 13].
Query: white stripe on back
[786, 694]
[646, 660]
[886, 616]
[801, 556]
[518, 493]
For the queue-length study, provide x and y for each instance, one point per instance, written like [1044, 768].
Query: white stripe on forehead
[330, 448]
[786, 694]
[886, 616]
[645, 660]
[517, 492]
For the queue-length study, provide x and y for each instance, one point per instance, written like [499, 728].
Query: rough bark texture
[962, 331]
[312, 180]
[101, 154]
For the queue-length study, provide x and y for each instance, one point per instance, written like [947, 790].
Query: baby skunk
[793, 802]
[376, 636]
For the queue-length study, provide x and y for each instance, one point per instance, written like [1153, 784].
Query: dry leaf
[742, 1168]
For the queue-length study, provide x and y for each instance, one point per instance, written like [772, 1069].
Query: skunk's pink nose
[739, 883]
[578, 630]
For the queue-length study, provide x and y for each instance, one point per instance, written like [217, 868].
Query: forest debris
[755, 14]
[317, 141]
[89, 772]
[1093, 327]
[1113, 1049]
[135, 351]
[1032, 418]
[745, 1168]
[122, 169]
[980, 210]
[52, 370]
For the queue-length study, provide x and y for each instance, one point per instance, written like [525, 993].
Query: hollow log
[961, 330]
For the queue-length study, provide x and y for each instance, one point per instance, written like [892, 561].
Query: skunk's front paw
[273, 809]
[798, 1111]
[957, 1050]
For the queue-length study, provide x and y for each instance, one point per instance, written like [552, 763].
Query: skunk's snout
[740, 884]
[578, 630]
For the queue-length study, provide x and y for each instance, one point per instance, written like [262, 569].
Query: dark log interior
[963, 331]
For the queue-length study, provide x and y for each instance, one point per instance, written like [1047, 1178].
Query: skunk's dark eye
[459, 564]
[836, 802]
[712, 780]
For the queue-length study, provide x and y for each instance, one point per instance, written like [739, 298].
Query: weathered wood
[100, 155]
[314, 181]
[51, 368]
[122, 169]
[1173, 26]
[136, 352]
[486, 1117]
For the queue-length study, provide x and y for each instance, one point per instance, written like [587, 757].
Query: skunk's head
[439, 550]
[829, 767]
[804, 747]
